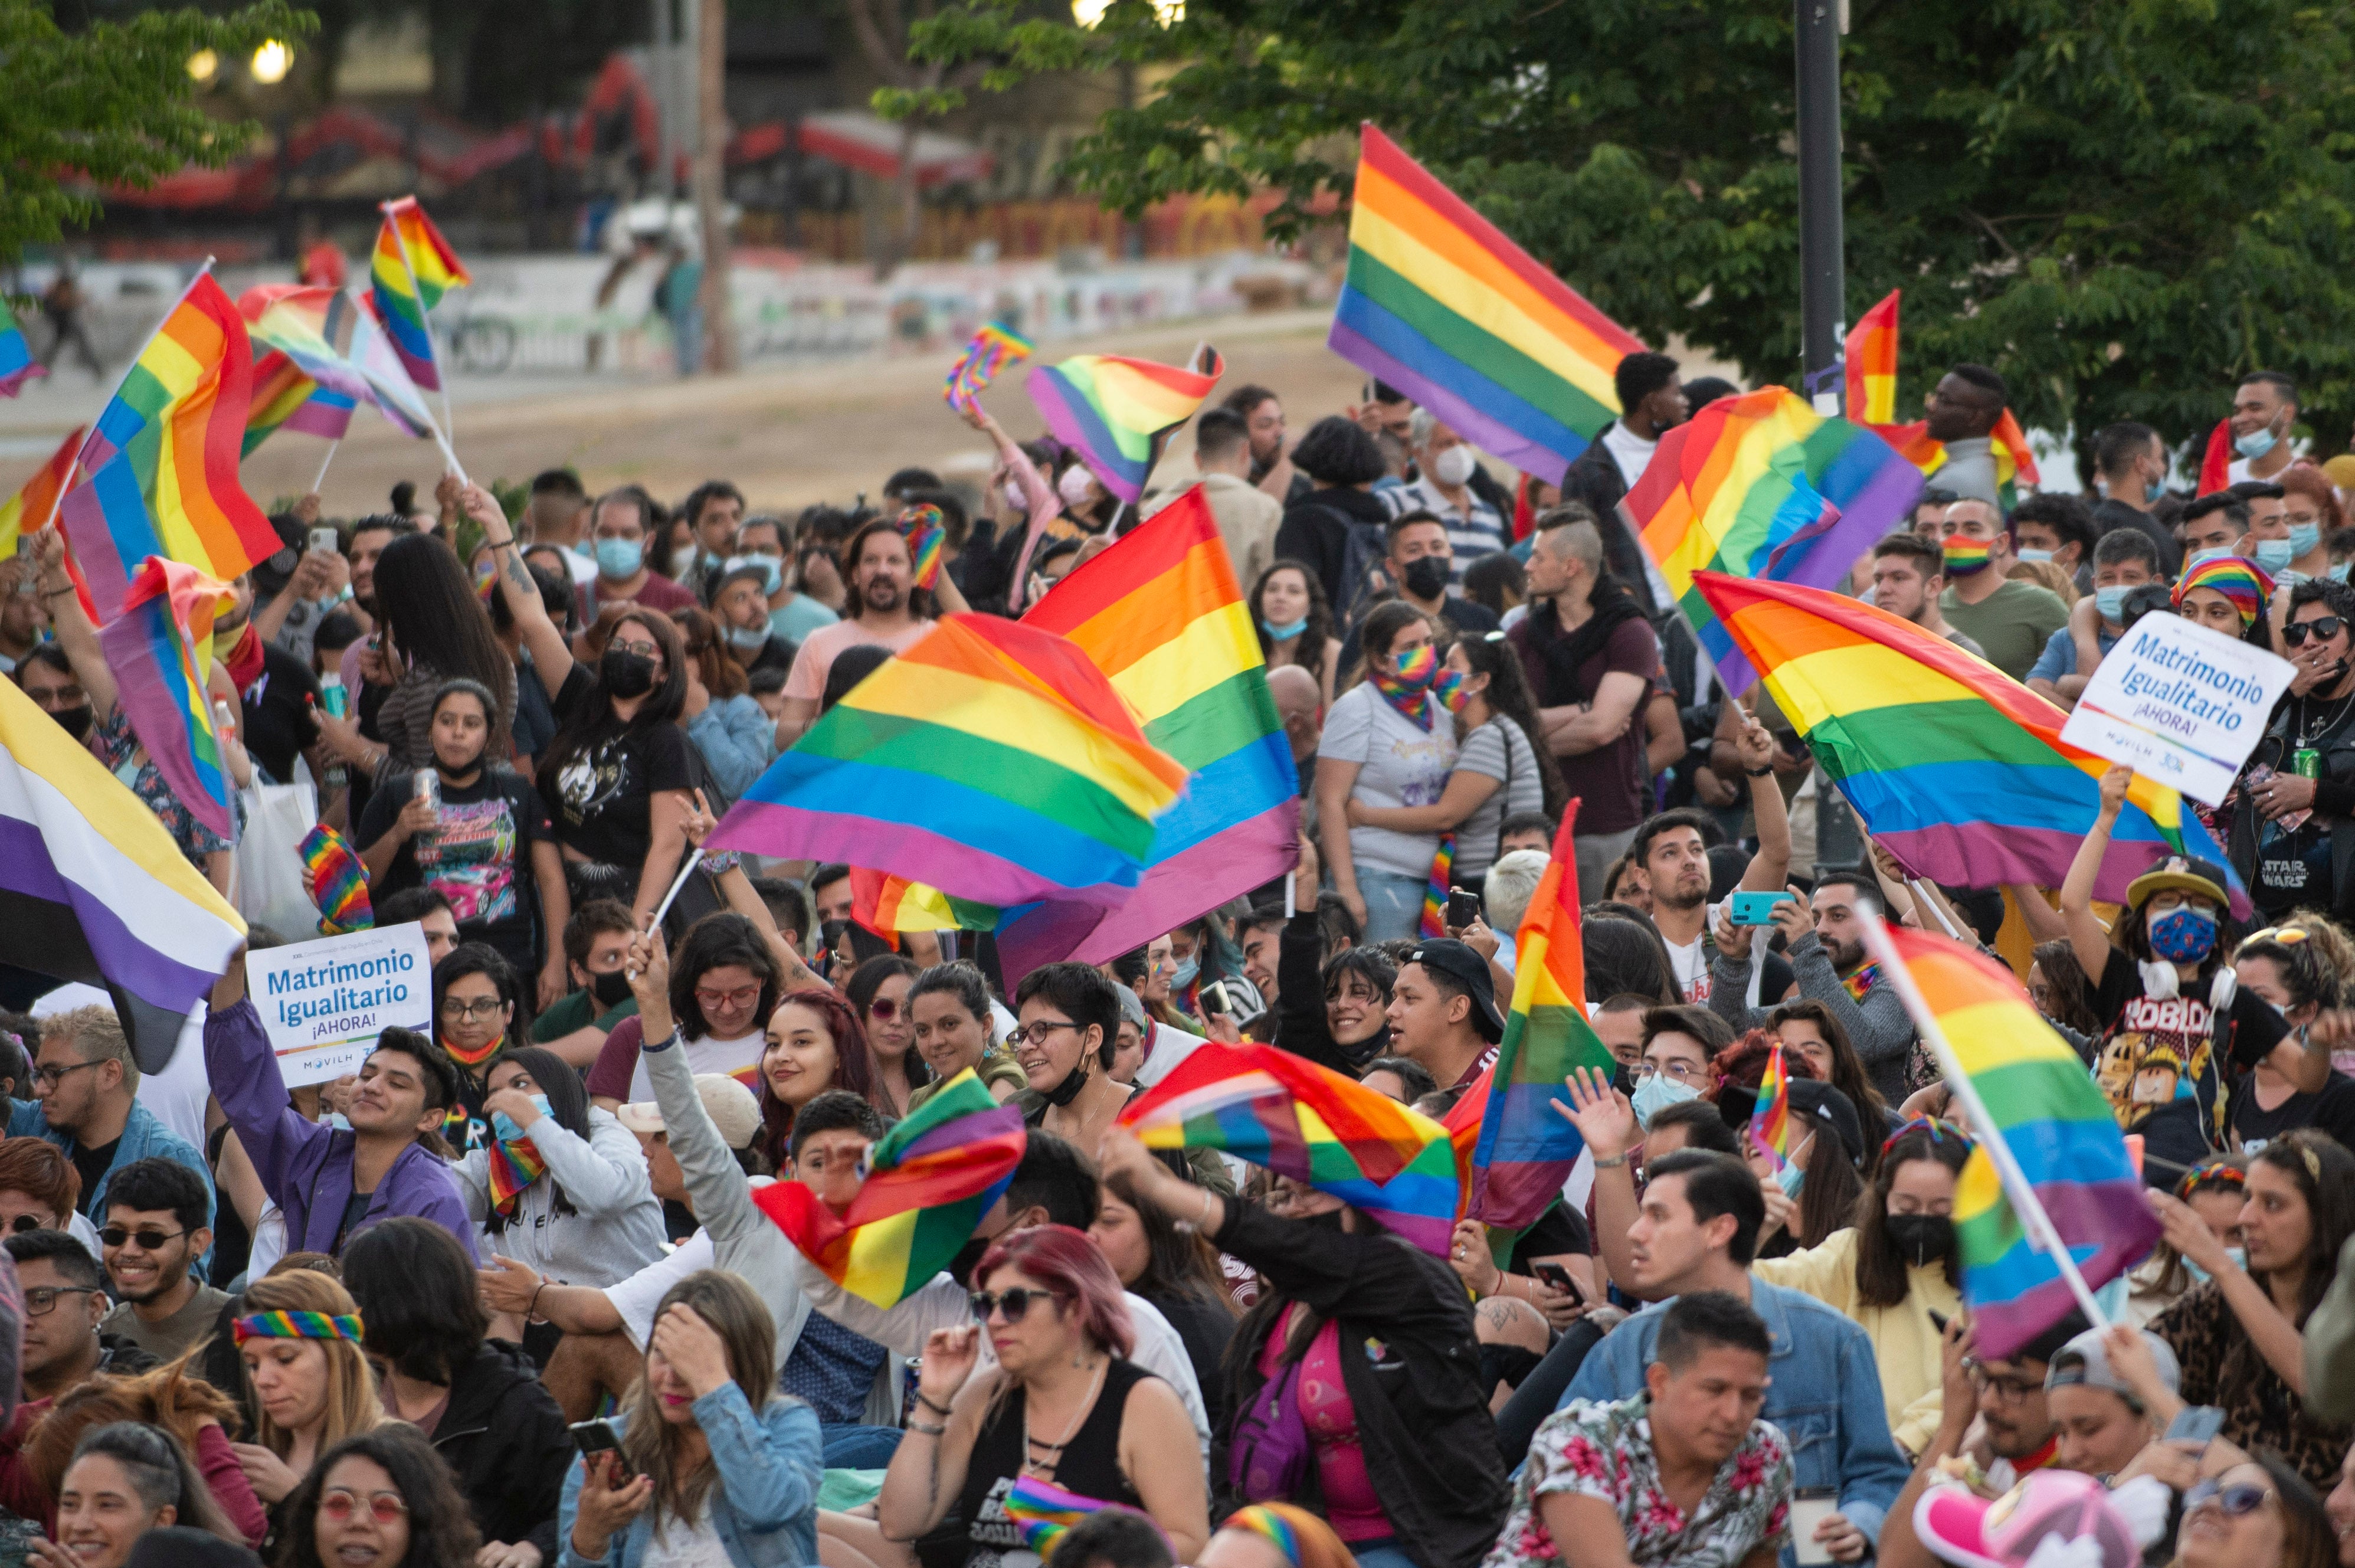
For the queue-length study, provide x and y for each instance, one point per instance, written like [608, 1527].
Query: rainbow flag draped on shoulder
[411, 268]
[930, 1180]
[1957, 768]
[1442, 306]
[1526, 1148]
[1116, 411]
[1871, 361]
[1761, 485]
[2045, 1117]
[1307, 1122]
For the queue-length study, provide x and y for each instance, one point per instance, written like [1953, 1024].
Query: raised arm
[71, 621]
[1769, 869]
[2087, 937]
[551, 655]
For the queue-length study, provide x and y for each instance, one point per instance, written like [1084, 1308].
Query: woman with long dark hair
[384, 1492]
[1331, 1010]
[1343, 462]
[1810, 1030]
[948, 1007]
[433, 630]
[126, 1479]
[1625, 956]
[618, 776]
[1827, 1140]
[1295, 622]
[736, 739]
[814, 1043]
[2286, 968]
[879, 991]
[2056, 984]
[724, 981]
[1176, 1270]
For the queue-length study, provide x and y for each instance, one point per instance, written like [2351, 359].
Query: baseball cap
[2020, 1527]
[2086, 1359]
[1459, 963]
[1817, 1104]
[1131, 1006]
[2187, 874]
[728, 1104]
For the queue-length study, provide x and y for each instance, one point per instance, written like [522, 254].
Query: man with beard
[1963, 408]
[881, 607]
[1670, 859]
[1825, 943]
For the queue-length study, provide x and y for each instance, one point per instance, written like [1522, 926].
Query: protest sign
[2180, 703]
[324, 1003]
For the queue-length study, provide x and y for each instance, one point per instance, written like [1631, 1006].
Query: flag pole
[321, 479]
[145, 344]
[1924, 900]
[694, 858]
[2042, 1234]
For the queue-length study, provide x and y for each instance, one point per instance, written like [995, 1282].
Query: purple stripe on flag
[143, 649]
[965, 1129]
[2109, 1217]
[1972, 854]
[900, 848]
[154, 975]
[1081, 429]
[1498, 440]
[320, 418]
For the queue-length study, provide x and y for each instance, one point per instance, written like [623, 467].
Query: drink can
[2307, 763]
[224, 723]
[331, 696]
[428, 788]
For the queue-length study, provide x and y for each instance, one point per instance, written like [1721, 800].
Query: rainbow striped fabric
[1436, 885]
[1116, 412]
[1763, 486]
[1957, 769]
[990, 757]
[315, 328]
[1307, 1122]
[16, 363]
[1044, 1510]
[297, 1325]
[1871, 364]
[1442, 306]
[929, 1181]
[161, 650]
[515, 1164]
[2057, 1124]
[412, 268]
[161, 458]
[1526, 1148]
[927, 530]
[885, 905]
[339, 883]
[993, 348]
[1770, 1119]
[286, 398]
[31, 507]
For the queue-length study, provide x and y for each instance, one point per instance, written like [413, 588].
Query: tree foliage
[109, 103]
[2122, 204]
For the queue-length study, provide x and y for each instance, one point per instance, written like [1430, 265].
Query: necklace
[1048, 1468]
[2307, 731]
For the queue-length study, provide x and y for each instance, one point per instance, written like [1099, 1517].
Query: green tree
[111, 102]
[2122, 206]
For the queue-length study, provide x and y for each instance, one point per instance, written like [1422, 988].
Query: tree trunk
[710, 189]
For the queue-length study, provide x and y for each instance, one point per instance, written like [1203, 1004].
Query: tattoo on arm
[519, 575]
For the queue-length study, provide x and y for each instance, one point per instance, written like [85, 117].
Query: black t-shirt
[601, 801]
[2331, 1110]
[91, 1165]
[479, 858]
[277, 727]
[1553, 1233]
[2109, 516]
[777, 652]
[2158, 1063]
[356, 1208]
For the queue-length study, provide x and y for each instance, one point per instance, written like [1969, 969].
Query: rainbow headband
[2242, 581]
[1269, 1526]
[1939, 1128]
[297, 1325]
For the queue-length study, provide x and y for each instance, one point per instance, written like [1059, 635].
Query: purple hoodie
[306, 1167]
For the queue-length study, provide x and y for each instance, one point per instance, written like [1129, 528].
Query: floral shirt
[111, 739]
[1605, 1451]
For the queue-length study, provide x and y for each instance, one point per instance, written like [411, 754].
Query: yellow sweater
[1904, 1340]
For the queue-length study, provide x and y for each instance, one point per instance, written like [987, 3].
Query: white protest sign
[324, 1002]
[2181, 704]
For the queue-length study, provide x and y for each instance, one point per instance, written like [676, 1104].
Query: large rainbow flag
[177, 422]
[2044, 1110]
[161, 650]
[28, 511]
[17, 365]
[1957, 768]
[930, 1180]
[990, 757]
[1761, 485]
[1307, 1122]
[1116, 411]
[411, 268]
[1442, 306]
[93, 889]
[1526, 1148]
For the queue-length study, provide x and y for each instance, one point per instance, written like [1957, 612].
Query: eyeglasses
[644, 650]
[23, 1223]
[741, 997]
[483, 1007]
[1680, 1070]
[149, 1239]
[40, 1300]
[49, 1077]
[2287, 935]
[1016, 1302]
[2237, 1501]
[339, 1503]
[2006, 1391]
[2323, 627]
[1034, 1032]
[883, 1007]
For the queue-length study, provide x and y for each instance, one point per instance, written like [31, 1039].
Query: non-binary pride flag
[412, 268]
[1761, 485]
[1116, 411]
[16, 363]
[930, 1180]
[2046, 1109]
[1526, 1148]
[1442, 306]
[1270, 1107]
[93, 889]
[161, 649]
[1957, 768]
[989, 758]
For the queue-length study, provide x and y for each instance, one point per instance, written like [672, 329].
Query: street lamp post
[1823, 278]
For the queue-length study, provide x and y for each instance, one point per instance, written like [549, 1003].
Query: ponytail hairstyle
[1509, 697]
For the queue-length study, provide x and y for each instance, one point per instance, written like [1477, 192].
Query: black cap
[1459, 963]
[1824, 1108]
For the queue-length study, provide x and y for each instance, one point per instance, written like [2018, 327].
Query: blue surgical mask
[2112, 604]
[2303, 537]
[2029, 553]
[2338, 572]
[2240, 1256]
[503, 1125]
[1184, 975]
[771, 570]
[2274, 555]
[2183, 935]
[2256, 443]
[748, 639]
[618, 558]
[1793, 1176]
[1657, 1093]
[1277, 634]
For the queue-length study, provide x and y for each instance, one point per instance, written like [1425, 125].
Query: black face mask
[1922, 1239]
[1074, 1080]
[1426, 576]
[968, 1256]
[626, 673]
[75, 722]
[610, 990]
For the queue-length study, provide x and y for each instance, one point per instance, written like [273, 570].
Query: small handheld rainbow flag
[412, 268]
[284, 397]
[929, 1179]
[160, 649]
[1436, 885]
[16, 363]
[339, 881]
[1770, 1119]
[1871, 364]
[30, 509]
[1045, 1510]
[515, 1164]
[1116, 411]
[993, 348]
[927, 532]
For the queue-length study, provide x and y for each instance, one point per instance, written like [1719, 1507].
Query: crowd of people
[507, 1295]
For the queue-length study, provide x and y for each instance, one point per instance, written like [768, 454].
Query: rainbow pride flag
[315, 328]
[2046, 1118]
[1871, 364]
[161, 650]
[1957, 769]
[1761, 485]
[990, 756]
[514, 1164]
[16, 363]
[177, 422]
[1116, 411]
[412, 268]
[1442, 306]
[1307, 1122]
[885, 905]
[30, 509]
[284, 397]
[993, 348]
[1770, 1119]
[930, 1180]
[1526, 1148]
[390, 387]
[1044, 1510]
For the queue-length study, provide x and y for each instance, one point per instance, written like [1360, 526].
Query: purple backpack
[1268, 1457]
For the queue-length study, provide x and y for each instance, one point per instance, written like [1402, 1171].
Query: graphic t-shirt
[1400, 764]
[2330, 1109]
[601, 802]
[2161, 1065]
[479, 857]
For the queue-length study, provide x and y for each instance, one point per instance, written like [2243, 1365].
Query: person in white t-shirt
[1651, 402]
[1388, 742]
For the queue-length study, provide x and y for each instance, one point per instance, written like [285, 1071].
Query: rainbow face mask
[1964, 556]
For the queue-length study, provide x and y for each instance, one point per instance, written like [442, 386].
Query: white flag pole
[694, 858]
[321, 479]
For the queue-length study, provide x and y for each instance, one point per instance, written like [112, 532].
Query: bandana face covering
[473, 1058]
[1406, 688]
[515, 1160]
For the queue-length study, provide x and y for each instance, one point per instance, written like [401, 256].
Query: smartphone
[1235, 1001]
[1561, 1279]
[1756, 909]
[1811, 1506]
[323, 540]
[1463, 909]
[2195, 1426]
[1937, 1320]
[596, 1437]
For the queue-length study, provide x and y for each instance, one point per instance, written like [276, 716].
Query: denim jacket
[1825, 1396]
[144, 1136]
[764, 1509]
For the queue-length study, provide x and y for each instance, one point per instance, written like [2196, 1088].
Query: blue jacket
[737, 740]
[764, 1509]
[1826, 1397]
[143, 1138]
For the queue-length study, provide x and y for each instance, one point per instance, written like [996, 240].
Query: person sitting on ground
[479, 1009]
[949, 1004]
[576, 1027]
[299, 1343]
[127, 1478]
[173, 1397]
[86, 1101]
[726, 984]
[385, 1500]
[1175, 1269]
[157, 1226]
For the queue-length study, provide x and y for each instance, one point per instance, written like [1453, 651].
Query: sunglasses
[2323, 627]
[149, 1239]
[1016, 1301]
[23, 1223]
[2238, 1500]
[883, 1007]
[339, 1504]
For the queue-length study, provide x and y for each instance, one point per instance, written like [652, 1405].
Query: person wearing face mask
[2265, 407]
[739, 605]
[2310, 502]
[2267, 541]
[48, 677]
[1387, 741]
[2286, 968]
[2011, 619]
[1422, 569]
[1446, 466]
[2123, 561]
[2211, 526]
[1295, 625]
[2291, 836]
[2179, 1029]
[2216, 1190]
[620, 524]
[2058, 528]
[760, 548]
[596, 940]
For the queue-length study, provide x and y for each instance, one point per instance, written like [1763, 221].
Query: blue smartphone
[1757, 909]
